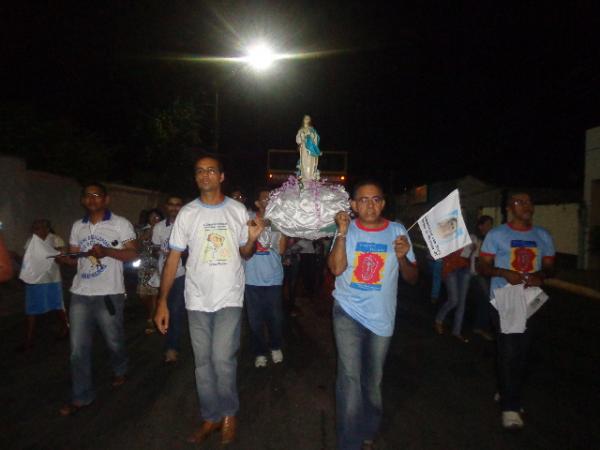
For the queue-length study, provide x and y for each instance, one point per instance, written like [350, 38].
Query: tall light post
[259, 57]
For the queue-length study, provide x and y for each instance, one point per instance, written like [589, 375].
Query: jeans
[264, 308]
[176, 305]
[85, 313]
[436, 278]
[512, 360]
[215, 340]
[481, 287]
[361, 356]
[457, 287]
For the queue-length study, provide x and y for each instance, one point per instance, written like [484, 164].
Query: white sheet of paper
[516, 304]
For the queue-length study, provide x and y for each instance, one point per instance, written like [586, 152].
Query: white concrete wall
[562, 221]
[26, 195]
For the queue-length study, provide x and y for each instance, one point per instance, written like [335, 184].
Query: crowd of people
[204, 260]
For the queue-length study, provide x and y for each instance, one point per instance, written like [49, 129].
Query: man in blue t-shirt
[367, 255]
[263, 295]
[515, 253]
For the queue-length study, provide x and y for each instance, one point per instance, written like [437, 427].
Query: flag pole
[412, 226]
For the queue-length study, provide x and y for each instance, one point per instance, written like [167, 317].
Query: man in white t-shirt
[217, 233]
[176, 301]
[98, 291]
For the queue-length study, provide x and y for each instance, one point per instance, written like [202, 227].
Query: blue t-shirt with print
[265, 268]
[367, 289]
[518, 250]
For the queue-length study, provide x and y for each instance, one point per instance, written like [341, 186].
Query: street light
[260, 57]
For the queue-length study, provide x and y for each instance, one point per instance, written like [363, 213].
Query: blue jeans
[361, 356]
[176, 305]
[264, 308]
[215, 341]
[436, 278]
[457, 287]
[85, 313]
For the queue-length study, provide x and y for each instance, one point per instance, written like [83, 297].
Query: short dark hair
[366, 182]
[237, 188]
[169, 197]
[258, 190]
[44, 222]
[514, 192]
[94, 184]
[156, 211]
[207, 155]
[483, 219]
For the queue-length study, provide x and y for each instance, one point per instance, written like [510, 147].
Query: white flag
[443, 227]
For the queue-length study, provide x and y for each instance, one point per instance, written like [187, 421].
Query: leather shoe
[204, 432]
[229, 431]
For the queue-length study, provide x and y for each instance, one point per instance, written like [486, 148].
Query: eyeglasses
[520, 202]
[93, 194]
[209, 171]
[365, 200]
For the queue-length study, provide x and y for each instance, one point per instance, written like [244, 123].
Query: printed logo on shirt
[261, 249]
[523, 255]
[217, 244]
[369, 263]
[92, 267]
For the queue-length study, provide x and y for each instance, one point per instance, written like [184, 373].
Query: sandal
[70, 409]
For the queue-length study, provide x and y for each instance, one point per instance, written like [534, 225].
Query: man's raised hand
[342, 220]
[255, 227]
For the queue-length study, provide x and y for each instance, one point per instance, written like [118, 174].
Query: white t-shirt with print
[213, 235]
[160, 236]
[104, 276]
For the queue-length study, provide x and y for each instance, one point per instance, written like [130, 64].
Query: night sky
[419, 91]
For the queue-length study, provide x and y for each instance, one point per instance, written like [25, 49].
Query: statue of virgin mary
[308, 139]
[305, 207]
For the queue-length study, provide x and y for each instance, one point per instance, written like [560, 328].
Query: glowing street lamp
[260, 57]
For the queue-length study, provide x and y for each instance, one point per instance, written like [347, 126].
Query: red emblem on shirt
[523, 259]
[368, 269]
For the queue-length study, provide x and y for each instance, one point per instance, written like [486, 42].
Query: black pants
[513, 350]
[308, 271]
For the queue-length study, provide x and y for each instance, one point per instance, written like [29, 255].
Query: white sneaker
[260, 361]
[277, 356]
[511, 420]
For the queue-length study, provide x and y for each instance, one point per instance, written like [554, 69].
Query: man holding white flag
[443, 227]
[368, 256]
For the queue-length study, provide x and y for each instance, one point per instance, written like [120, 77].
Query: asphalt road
[438, 393]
